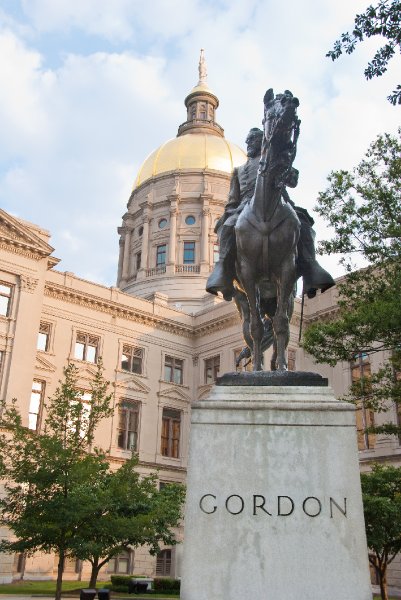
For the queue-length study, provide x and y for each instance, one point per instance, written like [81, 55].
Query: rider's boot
[314, 276]
[221, 279]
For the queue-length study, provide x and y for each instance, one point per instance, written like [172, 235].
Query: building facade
[162, 339]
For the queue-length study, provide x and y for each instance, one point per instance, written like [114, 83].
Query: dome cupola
[168, 245]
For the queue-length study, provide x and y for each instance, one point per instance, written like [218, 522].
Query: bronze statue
[262, 222]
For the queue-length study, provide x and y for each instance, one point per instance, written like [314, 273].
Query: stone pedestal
[274, 507]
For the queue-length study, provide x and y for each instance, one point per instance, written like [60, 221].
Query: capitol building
[163, 340]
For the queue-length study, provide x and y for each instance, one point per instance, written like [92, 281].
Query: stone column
[274, 488]
[145, 243]
[126, 257]
[173, 236]
[120, 257]
[204, 241]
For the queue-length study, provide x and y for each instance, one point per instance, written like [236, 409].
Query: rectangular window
[189, 253]
[212, 368]
[138, 257]
[37, 394]
[86, 347]
[128, 419]
[163, 563]
[44, 337]
[5, 299]
[171, 427]
[360, 370]
[173, 369]
[1, 359]
[161, 255]
[132, 359]
[291, 359]
[215, 252]
[122, 564]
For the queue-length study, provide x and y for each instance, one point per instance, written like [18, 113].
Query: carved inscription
[280, 506]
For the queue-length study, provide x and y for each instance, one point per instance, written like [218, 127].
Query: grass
[69, 587]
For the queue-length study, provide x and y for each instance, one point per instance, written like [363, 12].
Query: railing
[156, 271]
[187, 268]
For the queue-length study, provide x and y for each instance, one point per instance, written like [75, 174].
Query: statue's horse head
[281, 130]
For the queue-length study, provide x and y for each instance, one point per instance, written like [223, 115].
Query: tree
[384, 20]
[363, 207]
[381, 492]
[128, 511]
[49, 475]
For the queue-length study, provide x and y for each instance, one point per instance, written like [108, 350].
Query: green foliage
[166, 585]
[63, 496]
[49, 476]
[363, 208]
[128, 511]
[382, 20]
[381, 491]
[121, 580]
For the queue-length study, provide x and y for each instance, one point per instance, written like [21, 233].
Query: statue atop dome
[202, 69]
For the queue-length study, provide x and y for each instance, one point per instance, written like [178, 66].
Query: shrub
[166, 585]
[120, 583]
[120, 588]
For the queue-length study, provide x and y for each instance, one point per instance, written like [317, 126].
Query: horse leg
[241, 302]
[273, 360]
[256, 324]
[281, 322]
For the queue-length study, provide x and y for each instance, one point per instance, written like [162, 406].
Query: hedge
[166, 585]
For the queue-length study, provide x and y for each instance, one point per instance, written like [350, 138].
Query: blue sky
[91, 87]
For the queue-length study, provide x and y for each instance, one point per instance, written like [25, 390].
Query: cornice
[217, 324]
[323, 315]
[80, 298]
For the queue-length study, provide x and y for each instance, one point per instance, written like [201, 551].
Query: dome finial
[202, 69]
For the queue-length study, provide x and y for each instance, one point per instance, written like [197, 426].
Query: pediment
[132, 384]
[86, 373]
[174, 393]
[42, 364]
[14, 232]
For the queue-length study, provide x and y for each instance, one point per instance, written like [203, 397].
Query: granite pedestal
[274, 507]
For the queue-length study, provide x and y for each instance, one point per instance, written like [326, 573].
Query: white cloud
[74, 136]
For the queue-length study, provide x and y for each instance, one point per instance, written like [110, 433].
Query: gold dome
[191, 151]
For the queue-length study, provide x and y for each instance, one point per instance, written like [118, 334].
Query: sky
[89, 88]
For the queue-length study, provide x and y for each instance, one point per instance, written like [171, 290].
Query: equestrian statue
[266, 242]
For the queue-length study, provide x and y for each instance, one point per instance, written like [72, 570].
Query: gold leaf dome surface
[191, 151]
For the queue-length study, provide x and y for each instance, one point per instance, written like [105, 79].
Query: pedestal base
[274, 507]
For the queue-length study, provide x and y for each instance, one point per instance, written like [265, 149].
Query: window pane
[79, 350]
[177, 375]
[32, 421]
[125, 362]
[91, 354]
[161, 255]
[168, 373]
[123, 565]
[4, 306]
[42, 341]
[189, 253]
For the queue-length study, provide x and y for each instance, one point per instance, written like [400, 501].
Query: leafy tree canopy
[127, 511]
[363, 208]
[49, 474]
[381, 491]
[383, 20]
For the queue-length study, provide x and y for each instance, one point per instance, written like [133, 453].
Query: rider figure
[241, 191]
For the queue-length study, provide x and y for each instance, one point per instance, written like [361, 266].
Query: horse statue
[267, 233]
